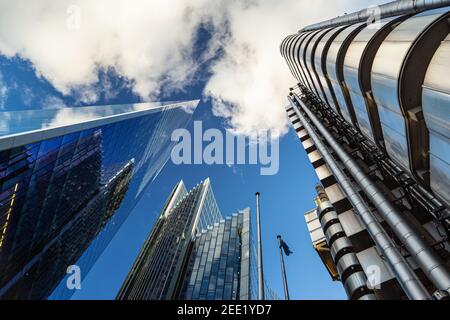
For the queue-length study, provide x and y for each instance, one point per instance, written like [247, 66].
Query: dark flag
[285, 247]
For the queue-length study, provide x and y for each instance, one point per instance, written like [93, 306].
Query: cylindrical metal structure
[260, 258]
[390, 9]
[388, 80]
[349, 268]
[406, 277]
[422, 253]
[283, 270]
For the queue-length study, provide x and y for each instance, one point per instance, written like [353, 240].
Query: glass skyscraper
[192, 252]
[68, 179]
[219, 263]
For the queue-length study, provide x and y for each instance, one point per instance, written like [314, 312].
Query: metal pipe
[391, 9]
[260, 258]
[406, 277]
[424, 255]
[283, 270]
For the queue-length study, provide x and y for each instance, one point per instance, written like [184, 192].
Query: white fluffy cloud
[151, 44]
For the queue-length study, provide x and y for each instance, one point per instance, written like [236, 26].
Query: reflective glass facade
[193, 253]
[219, 264]
[68, 179]
[156, 272]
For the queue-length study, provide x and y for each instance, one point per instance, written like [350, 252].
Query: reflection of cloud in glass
[15, 122]
[68, 116]
[4, 123]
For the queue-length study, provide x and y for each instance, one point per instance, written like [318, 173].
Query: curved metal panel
[338, 245]
[367, 297]
[326, 205]
[358, 63]
[347, 261]
[284, 49]
[334, 65]
[328, 218]
[288, 54]
[320, 65]
[355, 282]
[436, 110]
[310, 53]
[397, 76]
[302, 58]
[296, 54]
[333, 230]
[292, 53]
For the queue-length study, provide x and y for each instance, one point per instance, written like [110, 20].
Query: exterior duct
[406, 277]
[390, 9]
[347, 263]
[425, 256]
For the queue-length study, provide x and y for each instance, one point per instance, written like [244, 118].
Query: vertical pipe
[260, 258]
[425, 256]
[406, 277]
[283, 270]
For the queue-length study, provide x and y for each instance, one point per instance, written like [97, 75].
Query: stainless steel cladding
[310, 63]
[290, 51]
[375, 102]
[397, 76]
[349, 268]
[436, 109]
[285, 46]
[358, 63]
[334, 64]
[390, 9]
[320, 66]
[286, 51]
[302, 59]
[405, 275]
[389, 80]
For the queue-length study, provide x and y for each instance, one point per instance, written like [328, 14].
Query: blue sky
[221, 53]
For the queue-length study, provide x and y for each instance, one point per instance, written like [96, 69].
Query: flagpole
[283, 270]
[260, 259]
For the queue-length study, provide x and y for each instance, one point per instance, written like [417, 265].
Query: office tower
[372, 109]
[219, 263]
[192, 252]
[68, 179]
